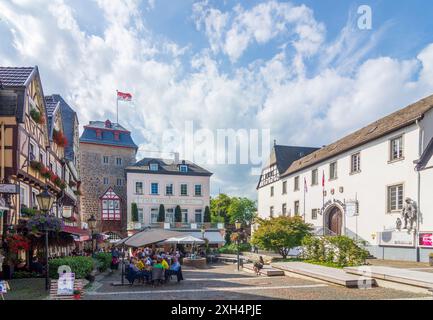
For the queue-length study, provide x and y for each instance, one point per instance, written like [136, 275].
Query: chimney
[176, 157]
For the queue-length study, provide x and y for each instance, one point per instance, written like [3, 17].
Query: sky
[303, 70]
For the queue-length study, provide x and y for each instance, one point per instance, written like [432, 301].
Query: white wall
[369, 186]
[148, 201]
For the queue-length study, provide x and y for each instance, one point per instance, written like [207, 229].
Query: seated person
[164, 264]
[158, 264]
[175, 269]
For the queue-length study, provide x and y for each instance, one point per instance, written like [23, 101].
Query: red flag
[123, 96]
[323, 179]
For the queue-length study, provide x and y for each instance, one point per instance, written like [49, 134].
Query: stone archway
[334, 220]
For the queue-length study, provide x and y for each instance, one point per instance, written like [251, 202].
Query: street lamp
[45, 202]
[238, 227]
[92, 225]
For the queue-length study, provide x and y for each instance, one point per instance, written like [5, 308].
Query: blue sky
[301, 69]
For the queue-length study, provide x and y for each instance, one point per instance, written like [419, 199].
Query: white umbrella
[184, 240]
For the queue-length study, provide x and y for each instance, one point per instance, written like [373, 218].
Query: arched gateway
[334, 221]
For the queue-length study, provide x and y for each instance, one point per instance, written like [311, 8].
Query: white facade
[379, 188]
[142, 190]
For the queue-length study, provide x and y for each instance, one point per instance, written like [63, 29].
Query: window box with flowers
[36, 165]
[28, 212]
[59, 138]
[46, 173]
[43, 222]
[37, 116]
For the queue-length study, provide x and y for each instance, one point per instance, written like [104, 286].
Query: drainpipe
[418, 258]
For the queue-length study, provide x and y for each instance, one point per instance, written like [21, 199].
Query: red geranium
[18, 242]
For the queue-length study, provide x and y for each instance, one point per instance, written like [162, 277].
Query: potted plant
[134, 216]
[77, 294]
[178, 216]
[37, 116]
[430, 259]
[59, 138]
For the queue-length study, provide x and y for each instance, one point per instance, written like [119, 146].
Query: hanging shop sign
[394, 238]
[9, 188]
[426, 239]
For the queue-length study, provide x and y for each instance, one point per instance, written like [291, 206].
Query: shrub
[134, 212]
[207, 215]
[161, 213]
[177, 214]
[340, 250]
[103, 261]
[233, 248]
[81, 266]
[25, 275]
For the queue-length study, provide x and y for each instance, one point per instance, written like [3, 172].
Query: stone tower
[106, 149]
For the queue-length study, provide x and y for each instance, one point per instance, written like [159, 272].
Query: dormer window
[153, 167]
[183, 168]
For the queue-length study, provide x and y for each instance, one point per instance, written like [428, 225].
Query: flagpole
[117, 105]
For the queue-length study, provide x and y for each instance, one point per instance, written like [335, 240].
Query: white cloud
[342, 94]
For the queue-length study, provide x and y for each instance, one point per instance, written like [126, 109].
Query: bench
[266, 270]
[328, 274]
[78, 285]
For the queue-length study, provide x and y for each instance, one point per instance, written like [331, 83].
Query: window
[395, 198]
[183, 168]
[154, 215]
[333, 170]
[154, 188]
[183, 189]
[197, 190]
[198, 216]
[34, 201]
[396, 146]
[184, 215]
[284, 209]
[284, 187]
[119, 182]
[139, 188]
[314, 214]
[169, 189]
[105, 181]
[111, 206]
[118, 161]
[296, 208]
[296, 184]
[355, 163]
[105, 160]
[272, 191]
[169, 215]
[271, 211]
[153, 167]
[314, 177]
[32, 152]
[140, 215]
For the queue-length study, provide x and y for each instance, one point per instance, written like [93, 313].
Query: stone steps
[266, 270]
[327, 274]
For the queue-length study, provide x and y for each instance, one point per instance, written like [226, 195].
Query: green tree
[242, 210]
[281, 234]
[207, 215]
[177, 214]
[161, 213]
[134, 212]
[219, 208]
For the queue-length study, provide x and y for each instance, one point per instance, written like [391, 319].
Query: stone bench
[266, 270]
[398, 275]
[327, 274]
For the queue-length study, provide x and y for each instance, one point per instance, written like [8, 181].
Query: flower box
[37, 116]
[59, 138]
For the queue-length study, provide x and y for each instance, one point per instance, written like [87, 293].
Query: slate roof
[397, 120]
[89, 135]
[8, 105]
[284, 156]
[69, 119]
[168, 166]
[15, 77]
[51, 106]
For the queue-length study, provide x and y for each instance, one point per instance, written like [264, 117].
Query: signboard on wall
[426, 239]
[9, 188]
[396, 239]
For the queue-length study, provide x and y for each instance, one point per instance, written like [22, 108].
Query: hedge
[103, 261]
[340, 250]
[81, 266]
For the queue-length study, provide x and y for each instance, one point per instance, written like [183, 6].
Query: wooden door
[335, 221]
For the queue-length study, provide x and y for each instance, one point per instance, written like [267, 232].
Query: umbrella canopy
[147, 237]
[184, 240]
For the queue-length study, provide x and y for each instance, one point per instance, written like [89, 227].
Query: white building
[153, 182]
[357, 185]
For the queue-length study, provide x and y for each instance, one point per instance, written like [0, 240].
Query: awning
[80, 234]
[184, 240]
[214, 237]
[148, 236]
